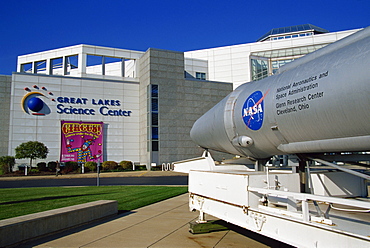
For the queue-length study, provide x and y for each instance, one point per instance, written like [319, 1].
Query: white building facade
[253, 61]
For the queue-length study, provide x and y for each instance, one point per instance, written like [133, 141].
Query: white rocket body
[318, 103]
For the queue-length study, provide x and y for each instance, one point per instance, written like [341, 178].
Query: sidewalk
[163, 224]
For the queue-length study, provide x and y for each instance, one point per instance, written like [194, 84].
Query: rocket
[319, 103]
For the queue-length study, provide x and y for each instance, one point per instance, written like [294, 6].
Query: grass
[22, 201]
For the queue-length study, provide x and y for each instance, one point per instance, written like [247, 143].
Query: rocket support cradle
[316, 107]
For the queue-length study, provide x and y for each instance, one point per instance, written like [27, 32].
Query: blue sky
[180, 25]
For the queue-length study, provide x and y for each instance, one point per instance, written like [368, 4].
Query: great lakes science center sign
[106, 107]
[36, 103]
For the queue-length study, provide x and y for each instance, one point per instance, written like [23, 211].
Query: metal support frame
[259, 165]
[367, 177]
[305, 198]
[201, 217]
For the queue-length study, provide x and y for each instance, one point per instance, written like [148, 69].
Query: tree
[31, 150]
[7, 162]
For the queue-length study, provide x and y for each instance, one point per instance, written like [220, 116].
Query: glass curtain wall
[260, 68]
[266, 63]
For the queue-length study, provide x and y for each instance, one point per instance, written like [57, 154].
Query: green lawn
[22, 201]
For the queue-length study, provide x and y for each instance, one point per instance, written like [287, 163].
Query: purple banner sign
[81, 141]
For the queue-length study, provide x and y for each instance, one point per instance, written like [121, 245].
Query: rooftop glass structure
[267, 62]
[292, 32]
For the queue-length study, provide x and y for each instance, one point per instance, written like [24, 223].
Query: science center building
[92, 103]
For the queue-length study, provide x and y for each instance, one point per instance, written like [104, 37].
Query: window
[200, 75]
[113, 66]
[94, 64]
[154, 133]
[155, 146]
[155, 119]
[56, 66]
[27, 68]
[266, 63]
[279, 63]
[153, 122]
[154, 90]
[154, 104]
[40, 66]
[110, 66]
[259, 68]
[289, 36]
[71, 64]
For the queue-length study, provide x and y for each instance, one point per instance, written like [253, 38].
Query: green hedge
[52, 165]
[42, 166]
[110, 165]
[126, 165]
[90, 166]
[70, 166]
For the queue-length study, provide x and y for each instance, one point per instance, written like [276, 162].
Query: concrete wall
[144, 72]
[181, 102]
[5, 89]
[183, 106]
[18, 229]
[192, 66]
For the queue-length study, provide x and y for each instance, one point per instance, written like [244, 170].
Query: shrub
[109, 165]
[34, 171]
[90, 166]
[23, 167]
[42, 166]
[2, 166]
[52, 165]
[7, 163]
[140, 167]
[70, 166]
[126, 165]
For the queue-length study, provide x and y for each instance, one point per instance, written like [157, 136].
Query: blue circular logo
[35, 104]
[252, 111]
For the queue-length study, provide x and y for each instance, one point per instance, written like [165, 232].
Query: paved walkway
[164, 224]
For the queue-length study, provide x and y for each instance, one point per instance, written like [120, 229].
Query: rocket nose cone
[207, 130]
[195, 132]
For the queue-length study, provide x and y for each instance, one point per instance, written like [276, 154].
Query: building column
[82, 58]
[64, 65]
[48, 68]
[123, 69]
[34, 69]
[103, 65]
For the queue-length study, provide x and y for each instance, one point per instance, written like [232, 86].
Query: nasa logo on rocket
[253, 109]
